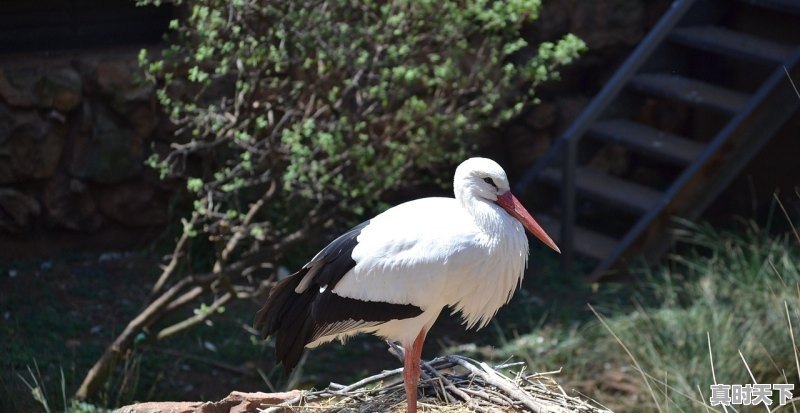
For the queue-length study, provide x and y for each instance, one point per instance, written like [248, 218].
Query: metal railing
[757, 121]
[567, 144]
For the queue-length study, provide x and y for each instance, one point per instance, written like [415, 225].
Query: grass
[730, 295]
[37, 386]
[731, 291]
[57, 319]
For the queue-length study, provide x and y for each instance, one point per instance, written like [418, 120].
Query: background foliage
[289, 114]
[336, 102]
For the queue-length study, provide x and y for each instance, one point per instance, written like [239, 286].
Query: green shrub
[292, 113]
[336, 102]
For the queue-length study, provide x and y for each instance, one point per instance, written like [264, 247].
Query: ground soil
[57, 315]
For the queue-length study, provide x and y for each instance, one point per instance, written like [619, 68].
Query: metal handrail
[578, 128]
[775, 79]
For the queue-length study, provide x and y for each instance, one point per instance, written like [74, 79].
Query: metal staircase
[694, 102]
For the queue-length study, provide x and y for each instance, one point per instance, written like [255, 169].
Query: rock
[103, 150]
[70, 205]
[239, 402]
[165, 130]
[669, 116]
[236, 402]
[138, 108]
[16, 87]
[128, 96]
[134, 204]
[568, 108]
[649, 176]
[539, 144]
[611, 159]
[541, 116]
[610, 23]
[144, 120]
[17, 211]
[602, 24]
[528, 146]
[7, 123]
[113, 75]
[30, 147]
[60, 89]
[160, 407]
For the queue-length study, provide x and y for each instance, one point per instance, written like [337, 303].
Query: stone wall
[76, 126]
[74, 131]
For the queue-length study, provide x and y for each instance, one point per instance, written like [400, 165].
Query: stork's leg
[411, 370]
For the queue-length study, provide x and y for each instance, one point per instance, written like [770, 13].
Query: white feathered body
[394, 274]
[468, 255]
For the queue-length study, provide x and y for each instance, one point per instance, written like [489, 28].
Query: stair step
[632, 196]
[586, 242]
[732, 43]
[651, 141]
[693, 92]
[790, 6]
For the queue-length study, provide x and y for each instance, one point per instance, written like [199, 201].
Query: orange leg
[411, 370]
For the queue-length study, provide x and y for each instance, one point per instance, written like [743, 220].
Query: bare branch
[177, 254]
[196, 319]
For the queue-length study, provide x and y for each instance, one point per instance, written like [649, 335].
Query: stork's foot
[411, 383]
[411, 371]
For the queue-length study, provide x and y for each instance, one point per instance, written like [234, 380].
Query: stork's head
[483, 178]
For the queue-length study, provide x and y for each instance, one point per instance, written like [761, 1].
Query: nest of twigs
[448, 384]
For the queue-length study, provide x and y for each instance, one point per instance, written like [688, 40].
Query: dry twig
[449, 384]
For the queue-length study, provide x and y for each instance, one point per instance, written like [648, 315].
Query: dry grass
[449, 384]
[726, 310]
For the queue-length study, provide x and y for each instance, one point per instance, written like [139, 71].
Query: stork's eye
[490, 181]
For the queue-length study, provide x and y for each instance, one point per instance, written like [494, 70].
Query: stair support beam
[752, 119]
[568, 202]
[610, 91]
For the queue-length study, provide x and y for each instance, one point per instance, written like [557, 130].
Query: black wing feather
[297, 319]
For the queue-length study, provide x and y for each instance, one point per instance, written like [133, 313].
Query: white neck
[507, 246]
[487, 215]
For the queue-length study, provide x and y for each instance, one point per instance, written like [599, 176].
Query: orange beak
[510, 203]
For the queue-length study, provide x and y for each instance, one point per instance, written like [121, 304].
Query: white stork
[392, 275]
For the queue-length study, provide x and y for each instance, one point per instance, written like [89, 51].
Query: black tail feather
[292, 337]
[297, 319]
[287, 315]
